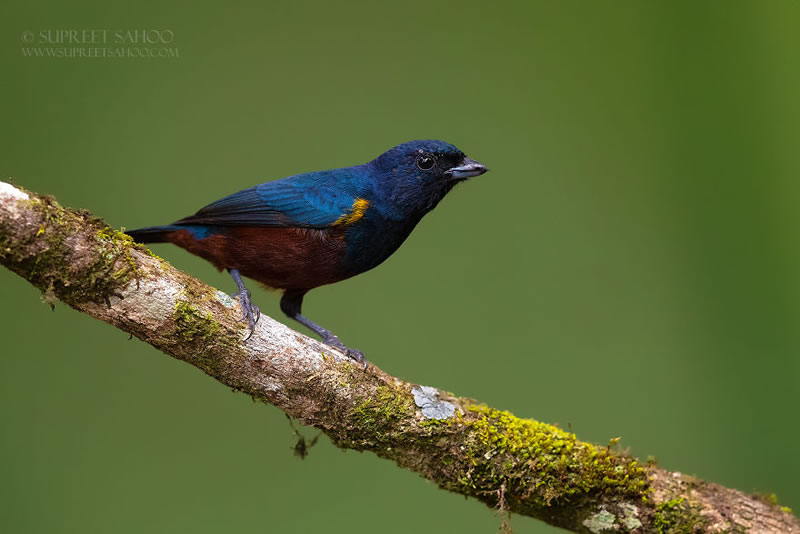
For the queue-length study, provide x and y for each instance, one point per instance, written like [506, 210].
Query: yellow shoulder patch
[357, 211]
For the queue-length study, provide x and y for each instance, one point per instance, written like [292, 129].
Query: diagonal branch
[520, 465]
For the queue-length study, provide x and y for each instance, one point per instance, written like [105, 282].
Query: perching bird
[317, 228]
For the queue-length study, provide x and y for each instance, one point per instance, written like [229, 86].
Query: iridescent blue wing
[312, 200]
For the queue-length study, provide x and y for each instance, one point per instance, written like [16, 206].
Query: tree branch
[519, 465]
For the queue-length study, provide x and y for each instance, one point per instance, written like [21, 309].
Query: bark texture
[519, 465]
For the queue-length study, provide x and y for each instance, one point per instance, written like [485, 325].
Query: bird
[298, 233]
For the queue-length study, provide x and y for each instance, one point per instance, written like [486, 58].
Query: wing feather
[313, 200]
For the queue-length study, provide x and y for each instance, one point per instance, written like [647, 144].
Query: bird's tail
[151, 234]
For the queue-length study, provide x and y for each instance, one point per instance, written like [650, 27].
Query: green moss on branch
[192, 324]
[676, 516]
[544, 464]
[50, 261]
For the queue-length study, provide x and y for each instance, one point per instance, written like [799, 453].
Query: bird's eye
[426, 162]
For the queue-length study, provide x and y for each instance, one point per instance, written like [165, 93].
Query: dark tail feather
[151, 234]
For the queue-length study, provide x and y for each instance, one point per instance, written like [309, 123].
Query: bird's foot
[353, 354]
[250, 312]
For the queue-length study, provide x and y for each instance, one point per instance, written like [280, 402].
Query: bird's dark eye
[426, 162]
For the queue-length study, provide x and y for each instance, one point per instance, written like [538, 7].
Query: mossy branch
[518, 465]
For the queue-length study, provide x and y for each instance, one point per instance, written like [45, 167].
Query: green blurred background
[629, 267]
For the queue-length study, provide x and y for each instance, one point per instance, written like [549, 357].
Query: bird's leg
[292, 302]
[250, 312]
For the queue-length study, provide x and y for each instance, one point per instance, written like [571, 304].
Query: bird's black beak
[467, 169]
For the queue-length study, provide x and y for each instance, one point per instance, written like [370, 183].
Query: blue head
[416, 175]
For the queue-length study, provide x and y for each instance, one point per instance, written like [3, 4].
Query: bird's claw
[358, 356]
[250, 312]
[353, 354]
